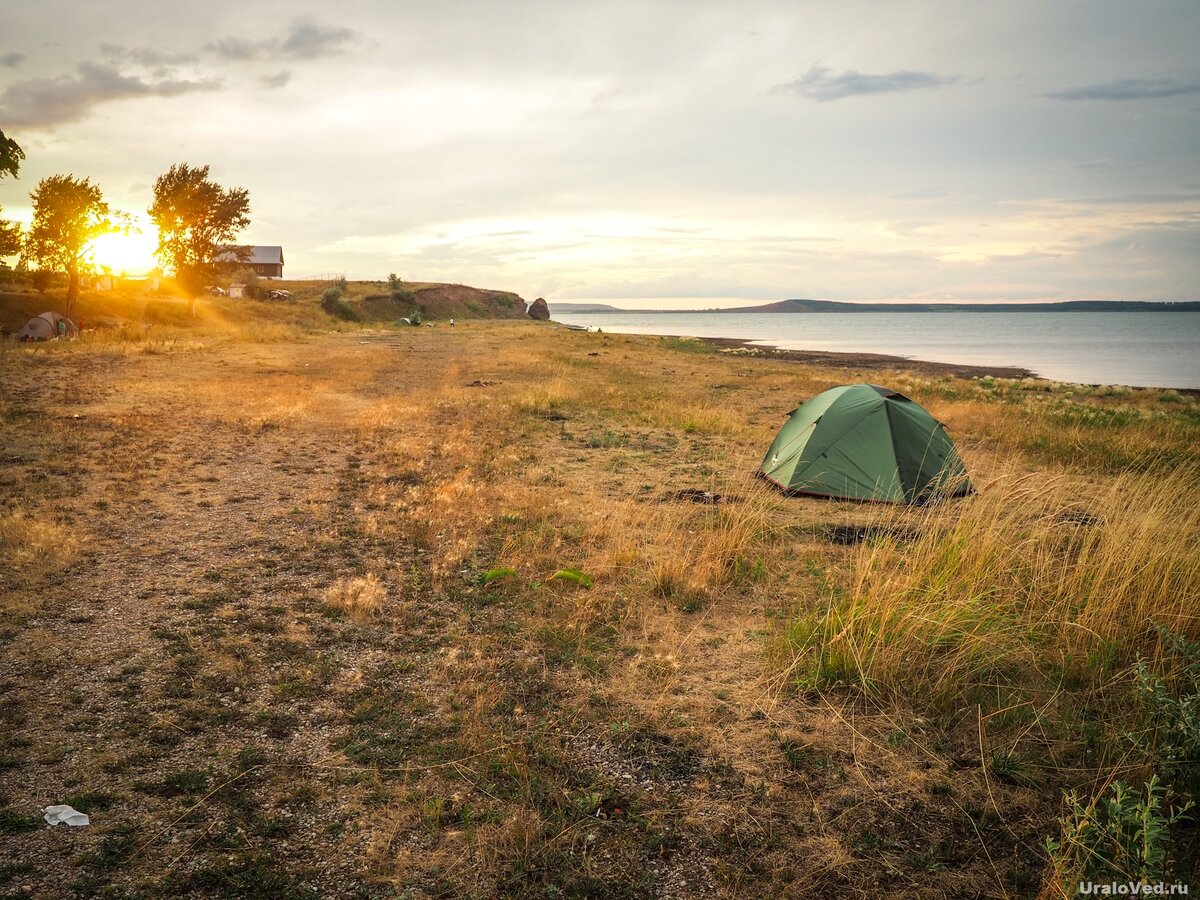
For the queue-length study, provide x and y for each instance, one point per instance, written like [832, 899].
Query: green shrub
[1170, 713]
[250, 280]
[332, 303]
[1119, 836]
[41, 279]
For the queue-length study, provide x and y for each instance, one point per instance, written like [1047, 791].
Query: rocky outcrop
[539, 310]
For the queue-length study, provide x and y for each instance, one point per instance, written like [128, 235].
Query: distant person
[62, 328]
[451, 322]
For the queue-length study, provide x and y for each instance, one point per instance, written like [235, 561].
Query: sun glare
[132, 253]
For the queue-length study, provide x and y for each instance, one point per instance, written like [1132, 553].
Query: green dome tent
[865, 442]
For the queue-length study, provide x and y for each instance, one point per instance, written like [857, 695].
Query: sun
[130, 253]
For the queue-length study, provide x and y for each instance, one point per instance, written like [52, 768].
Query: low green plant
[1012, 766]
[607, 440]
[1170, 711]
[15, 822]
[572, 575]
[1121, 835]
[486, 578]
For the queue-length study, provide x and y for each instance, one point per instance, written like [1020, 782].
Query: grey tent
[47, 326]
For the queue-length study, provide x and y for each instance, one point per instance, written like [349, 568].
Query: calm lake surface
[1142, 349]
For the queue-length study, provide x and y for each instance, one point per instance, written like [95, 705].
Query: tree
[10, 156]
[10, 238]
[68, 215]
[10, 163]
[196, 219]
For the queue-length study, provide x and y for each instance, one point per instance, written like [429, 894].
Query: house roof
[259, 255]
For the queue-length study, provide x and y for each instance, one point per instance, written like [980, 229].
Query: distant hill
[841, 306]
[583, 308]
[819, 306]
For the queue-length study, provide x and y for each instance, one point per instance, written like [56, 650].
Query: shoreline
[869, 361]
[883, 361]
[878, 362]
[843, 359]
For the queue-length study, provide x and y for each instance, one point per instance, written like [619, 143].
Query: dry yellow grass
[1033, 576]
[35, 544]
[361, 599]
[297, 538]
[33, 548]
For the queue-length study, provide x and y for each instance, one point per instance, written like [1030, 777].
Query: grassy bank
[435, 612]
[135, 308]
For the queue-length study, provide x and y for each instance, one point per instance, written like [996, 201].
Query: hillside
[440, 301]
[366, 302]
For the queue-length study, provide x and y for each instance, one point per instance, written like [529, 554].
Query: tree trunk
[72, 287]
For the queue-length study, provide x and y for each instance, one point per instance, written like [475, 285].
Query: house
[266, 262]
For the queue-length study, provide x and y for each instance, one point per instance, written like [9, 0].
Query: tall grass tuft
[361, 599]
[35, 543]
[1030, 578]
[693, 552]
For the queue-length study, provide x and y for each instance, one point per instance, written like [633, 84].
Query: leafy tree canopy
[10, 162]
[68, 215]
[10, 156]
[10, 238]
[196, 219]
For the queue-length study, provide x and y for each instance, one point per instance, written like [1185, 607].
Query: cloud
[822, 84]
[304, 40]
[308, 40]
[12, 59]
[45, 102]
[241, 49]
[1128, 89]
[278, 80]
[146, 56]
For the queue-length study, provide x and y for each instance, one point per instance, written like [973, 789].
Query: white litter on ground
[56, 815]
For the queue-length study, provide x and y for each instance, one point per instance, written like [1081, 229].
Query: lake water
[1142, 349]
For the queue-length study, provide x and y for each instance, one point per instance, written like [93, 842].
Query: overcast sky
[653, 151]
